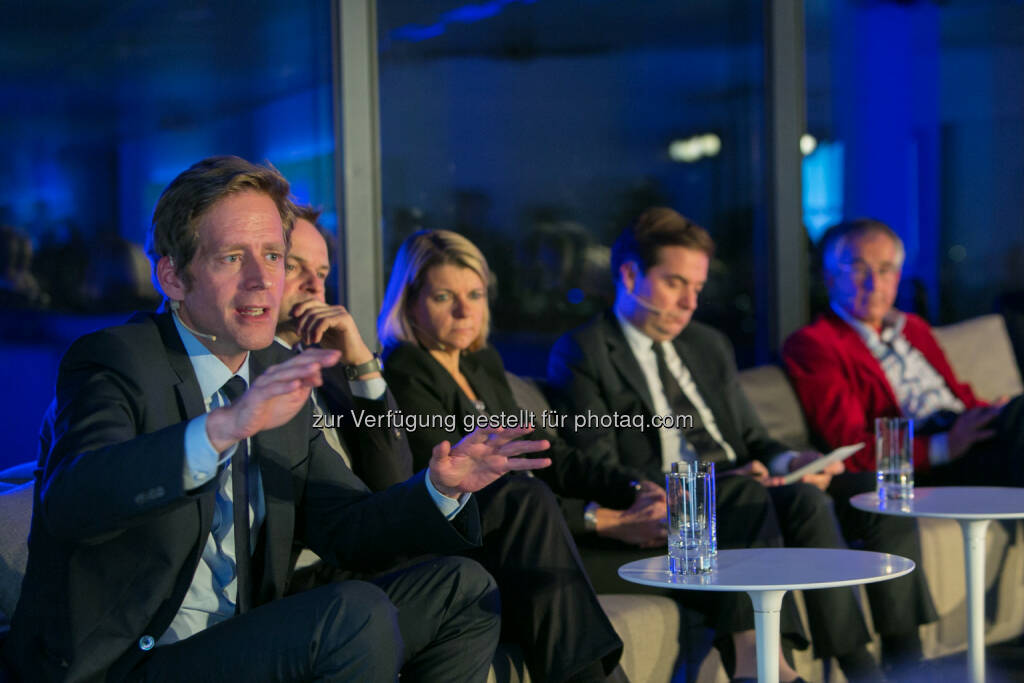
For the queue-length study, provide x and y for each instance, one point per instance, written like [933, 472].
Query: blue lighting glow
[823, 188]
[467, 14]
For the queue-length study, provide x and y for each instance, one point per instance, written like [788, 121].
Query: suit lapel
[190, 397]
[862, 358]
[191, 405]
[691, 358]
[715, 395]
[624, 362]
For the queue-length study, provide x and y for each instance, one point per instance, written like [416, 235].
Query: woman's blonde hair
[420, 252]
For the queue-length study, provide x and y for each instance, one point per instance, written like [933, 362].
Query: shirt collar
[639, 342]
[210, 370]
[892, 325]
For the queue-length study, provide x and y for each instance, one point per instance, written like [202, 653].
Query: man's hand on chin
[480, 458]
[333, 327]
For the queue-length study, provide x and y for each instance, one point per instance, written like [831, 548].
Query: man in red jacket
[865, 359]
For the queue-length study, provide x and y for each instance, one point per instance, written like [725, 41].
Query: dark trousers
[549, 606]
[807, 520]
[435, 621]
[901, 605]
[995, 462]
[746, 519]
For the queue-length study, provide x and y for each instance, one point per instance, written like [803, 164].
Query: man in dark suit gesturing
[181, 462]
[647, 357]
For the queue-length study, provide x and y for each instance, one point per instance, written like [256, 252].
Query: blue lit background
[505, 115]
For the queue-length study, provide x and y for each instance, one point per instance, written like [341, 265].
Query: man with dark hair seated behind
[182, 463]
[865, 359]
[647, 357]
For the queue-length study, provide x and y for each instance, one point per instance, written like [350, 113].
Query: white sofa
[980, 352]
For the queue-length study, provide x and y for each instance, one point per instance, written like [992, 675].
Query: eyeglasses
[859, 270]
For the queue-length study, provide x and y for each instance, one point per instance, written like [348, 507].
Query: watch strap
[354, 372]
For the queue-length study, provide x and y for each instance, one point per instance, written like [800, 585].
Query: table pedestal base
[767, 606]
[974, 531]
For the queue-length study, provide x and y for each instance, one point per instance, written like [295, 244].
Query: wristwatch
[590, 516]
[354, 372]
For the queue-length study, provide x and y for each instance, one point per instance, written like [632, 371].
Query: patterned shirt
[918, 387]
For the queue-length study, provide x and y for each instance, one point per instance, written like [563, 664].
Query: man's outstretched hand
[272, 399]
[480, 458]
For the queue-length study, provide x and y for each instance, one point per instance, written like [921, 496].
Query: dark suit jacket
[423, 387]
[592, 368]
[380, 454]
[843, 388]
[115, 538]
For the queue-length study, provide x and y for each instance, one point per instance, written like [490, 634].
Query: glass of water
[894, 457]
[690, 493]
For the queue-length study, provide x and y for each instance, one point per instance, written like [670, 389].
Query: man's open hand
[480, 458]
[971, 427]
[272, 399]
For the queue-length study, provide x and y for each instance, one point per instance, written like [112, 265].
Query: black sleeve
[341, 521]
[380, 454]
[101, 473]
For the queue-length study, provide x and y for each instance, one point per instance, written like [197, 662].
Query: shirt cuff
[372, 389]
[449, 507]
[779, 465]
[201, 458]
[938, 449]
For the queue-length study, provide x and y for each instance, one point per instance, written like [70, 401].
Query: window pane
[540, 129]
[103, 104]
[106, 103]
[920, 112]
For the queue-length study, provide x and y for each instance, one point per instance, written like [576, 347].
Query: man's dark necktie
[697, 436]
[234, 388]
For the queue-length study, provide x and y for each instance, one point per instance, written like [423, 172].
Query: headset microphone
[175, 305]
[645, 303]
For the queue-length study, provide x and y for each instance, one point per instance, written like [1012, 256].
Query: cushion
[649, 626]
[19, 474]
[980, 352]
[16, 513]
[776, 404]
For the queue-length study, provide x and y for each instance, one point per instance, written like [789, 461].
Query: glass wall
[103, 104]
[540, 129]
[923, 103]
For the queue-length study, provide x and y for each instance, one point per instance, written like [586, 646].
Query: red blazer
[843, 388]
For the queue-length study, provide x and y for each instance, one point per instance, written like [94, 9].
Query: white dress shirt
[211, 595]
[673, 442]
